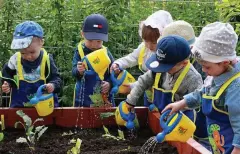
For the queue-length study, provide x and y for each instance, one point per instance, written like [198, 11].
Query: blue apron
[88, 88]
[25, 89]
[164, 97]
[220, 133]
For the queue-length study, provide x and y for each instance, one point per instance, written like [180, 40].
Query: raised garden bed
[64, 119]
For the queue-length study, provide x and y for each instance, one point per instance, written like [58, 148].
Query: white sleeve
[131, 59]
[12, 63]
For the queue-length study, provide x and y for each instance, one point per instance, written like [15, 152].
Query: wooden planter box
[90, 118]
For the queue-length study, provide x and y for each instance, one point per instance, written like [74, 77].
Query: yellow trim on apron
[177, 83]
[141, 58]
[45, 59]
[220, 91]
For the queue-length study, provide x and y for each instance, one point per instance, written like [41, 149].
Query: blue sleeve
[194, 99]
[54, 76]
[232, 101]
[76, 59]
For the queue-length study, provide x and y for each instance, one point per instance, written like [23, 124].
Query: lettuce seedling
[33, 133]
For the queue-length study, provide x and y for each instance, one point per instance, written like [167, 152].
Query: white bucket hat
[159, 20]
[216, 43]
[181, 28]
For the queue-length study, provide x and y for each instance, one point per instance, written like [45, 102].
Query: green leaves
[32, 133]
[77, 148]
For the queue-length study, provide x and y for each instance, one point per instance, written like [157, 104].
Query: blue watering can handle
[164, 123]
[40, 90]
[118, 82]
[90, 71]
[39, 95]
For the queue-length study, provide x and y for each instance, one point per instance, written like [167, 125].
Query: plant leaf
[29, 131]
[38, 128]
[42, 132]
[106, 115]
[21, 140]
[37, 120]
[27, 120]
[1, 136]
[16, 124]
[20, 113]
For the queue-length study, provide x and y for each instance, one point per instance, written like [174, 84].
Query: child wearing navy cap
[170, 73]
[94, 32]
[29, 68]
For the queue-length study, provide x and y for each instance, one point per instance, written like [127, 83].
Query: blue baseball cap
[170, 51]
[24, 33]
[95, 27]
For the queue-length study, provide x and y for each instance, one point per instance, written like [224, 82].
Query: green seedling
[67, 134]
[33, 133]
[2, 128]
[106, 115]
[76, 148]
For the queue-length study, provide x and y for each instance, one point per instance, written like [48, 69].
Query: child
[150, 30]
[219, 97]
[31, 67]
[95, 31]
[170, 73]
[184, 29]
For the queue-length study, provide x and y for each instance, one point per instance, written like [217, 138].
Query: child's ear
[82, 34]
[42, 42]
[185, 62]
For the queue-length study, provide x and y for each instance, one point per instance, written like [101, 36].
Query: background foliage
[62, 21]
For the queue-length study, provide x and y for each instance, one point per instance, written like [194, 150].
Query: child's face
[32, 52]
[93, 44]
[214, 69]
[151, 45]
[178, 67]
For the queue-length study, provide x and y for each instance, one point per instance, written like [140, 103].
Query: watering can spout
[176, 127]
[44, 103]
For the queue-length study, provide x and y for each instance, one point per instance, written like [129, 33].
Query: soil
[52, 142]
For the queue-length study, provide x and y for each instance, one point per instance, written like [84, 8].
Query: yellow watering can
[124, 117]
[44, 103]
[177, 127]
[97, 62]
[123, 78]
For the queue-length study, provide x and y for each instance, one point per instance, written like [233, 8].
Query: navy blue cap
[95, 27]
[23, 34]
[170, 51]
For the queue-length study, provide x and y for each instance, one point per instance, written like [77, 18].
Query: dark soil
[52, 142]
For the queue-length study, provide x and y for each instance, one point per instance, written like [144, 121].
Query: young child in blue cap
[29, 68]
[94, 32]
[219, 97]
[170, 73]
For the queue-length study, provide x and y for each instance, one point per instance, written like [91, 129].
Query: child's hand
[81, 67]
[5, 87]
[175, 106]
[236, 150]
[115, 68]
[49, 87]
[105, 87]
[127, 87]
